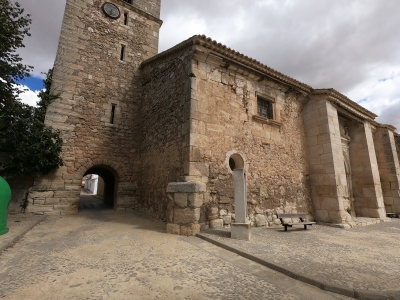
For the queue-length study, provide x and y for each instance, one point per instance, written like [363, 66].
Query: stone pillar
[185, 200]
[240, 196]
[389, 168]
[326, 164]
[241, 228]
[368, 200]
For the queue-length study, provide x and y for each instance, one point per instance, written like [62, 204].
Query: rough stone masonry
[166, 131]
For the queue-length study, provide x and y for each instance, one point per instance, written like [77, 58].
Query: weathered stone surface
[227, 220]
[186, 187]
[161, 130]
[241, 231]
[173, 229]
[196, 200]
[186, 215]
[181, 200]
[217, 224]
[190, 230]
[260, 220]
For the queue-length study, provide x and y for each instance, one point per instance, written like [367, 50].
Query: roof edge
[338, 97]
[212, 45]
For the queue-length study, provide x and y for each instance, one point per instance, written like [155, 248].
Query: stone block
[241, 231]
[186, 215]
[197, 169]
[196, 200]
[225, 200]
[37, 194]
[260, 220]
[322, 215]
[181, 200]
[227, 220]
[190, 230]
[186, 187]
[217, 224]
[173, 229]
[52, 201]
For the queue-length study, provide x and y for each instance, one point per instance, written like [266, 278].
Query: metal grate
[264, 108]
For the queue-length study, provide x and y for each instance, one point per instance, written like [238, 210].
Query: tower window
[265, 108]
[122, 57]
[126, 18]
[128, 1]
[112, 117]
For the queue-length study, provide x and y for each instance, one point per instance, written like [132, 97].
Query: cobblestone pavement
[110, 255]
[364, 258]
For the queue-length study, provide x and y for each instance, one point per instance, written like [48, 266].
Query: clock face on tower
[111, 10]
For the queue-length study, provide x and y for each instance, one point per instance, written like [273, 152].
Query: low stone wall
[19, 190]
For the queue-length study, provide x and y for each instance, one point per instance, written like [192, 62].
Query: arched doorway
[98, 188]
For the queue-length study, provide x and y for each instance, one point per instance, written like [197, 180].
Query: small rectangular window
[126, 18]
[122, 52]
[112, 117]
[128, 1]
[265, 108]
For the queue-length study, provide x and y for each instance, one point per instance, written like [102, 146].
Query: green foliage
[14, 26]
[32, 147]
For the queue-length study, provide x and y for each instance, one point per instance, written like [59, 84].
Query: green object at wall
[5, 197]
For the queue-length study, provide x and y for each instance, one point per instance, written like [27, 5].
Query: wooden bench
[302, 218]
[391, 215]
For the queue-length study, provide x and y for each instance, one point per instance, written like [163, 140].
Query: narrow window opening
[264, 108]
[112, 117]
[128, 1]
[122, 52]
[126, 18]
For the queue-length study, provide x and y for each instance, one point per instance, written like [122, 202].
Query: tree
[32, 148]
[14, 26]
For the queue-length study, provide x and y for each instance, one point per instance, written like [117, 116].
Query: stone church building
[166, 130]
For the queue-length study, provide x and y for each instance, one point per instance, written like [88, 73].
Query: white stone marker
[241, 228]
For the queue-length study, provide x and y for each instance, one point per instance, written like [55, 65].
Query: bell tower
[101, 46]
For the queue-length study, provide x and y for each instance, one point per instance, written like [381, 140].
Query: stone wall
[91, 78]
[152, 7]
[338, 196]
[19, 188]
[389, 169]
[224, 121]
[327, 172]
[367, 187]
[165, 128]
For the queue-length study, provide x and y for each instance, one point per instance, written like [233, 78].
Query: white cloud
[381, 95]
[28, 96]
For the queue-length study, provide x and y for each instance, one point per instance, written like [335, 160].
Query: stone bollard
[5, 197]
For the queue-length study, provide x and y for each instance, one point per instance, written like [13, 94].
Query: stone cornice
[388, 126]
[344, 102]
[233, 56]
[139, 11]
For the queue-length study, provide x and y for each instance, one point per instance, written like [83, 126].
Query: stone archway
[110, 179]
[107, 172]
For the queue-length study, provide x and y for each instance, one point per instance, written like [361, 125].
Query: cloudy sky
[352, 46]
